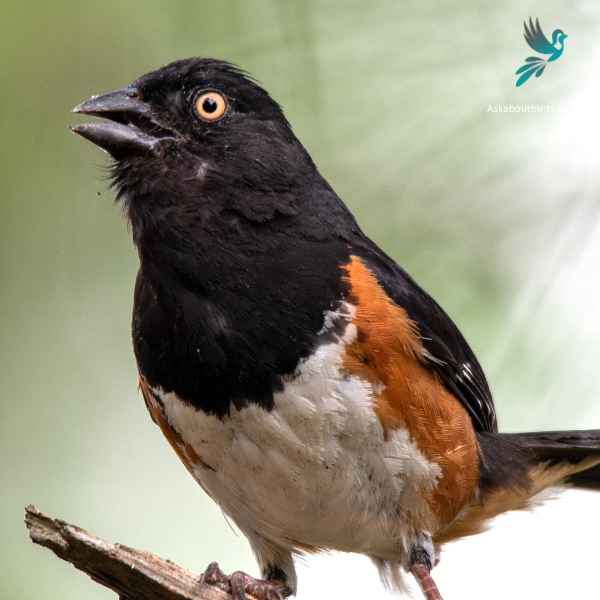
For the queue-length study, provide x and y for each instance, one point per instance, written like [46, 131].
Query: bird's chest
[316, 470]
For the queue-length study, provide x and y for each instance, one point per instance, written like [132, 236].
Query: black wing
[536, 39]
[447, 352]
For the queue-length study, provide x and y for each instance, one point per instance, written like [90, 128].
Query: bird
[536, 39]
[308, 384]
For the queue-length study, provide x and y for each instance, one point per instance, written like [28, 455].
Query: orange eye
[210, 106]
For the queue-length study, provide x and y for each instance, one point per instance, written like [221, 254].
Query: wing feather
[445, 350]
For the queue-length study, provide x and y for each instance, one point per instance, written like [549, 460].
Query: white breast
[316, 469]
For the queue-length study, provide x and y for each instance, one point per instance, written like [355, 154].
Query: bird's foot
[422, 560]
[239, 584]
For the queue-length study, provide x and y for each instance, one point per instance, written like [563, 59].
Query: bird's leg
[422, 574]
[422, 559]
[240, 584]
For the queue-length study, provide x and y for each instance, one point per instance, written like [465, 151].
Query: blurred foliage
[495, 214]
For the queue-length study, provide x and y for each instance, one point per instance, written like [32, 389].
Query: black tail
[516, 467]
[562, 446]
[507, 458]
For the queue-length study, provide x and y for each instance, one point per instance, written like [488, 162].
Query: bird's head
[197, 138]
[558, 37]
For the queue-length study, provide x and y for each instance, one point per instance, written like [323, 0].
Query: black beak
[132, 129]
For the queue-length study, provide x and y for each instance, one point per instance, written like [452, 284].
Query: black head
[185, 131]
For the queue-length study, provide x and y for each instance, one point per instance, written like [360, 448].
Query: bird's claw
[214, 576]
[239, 584]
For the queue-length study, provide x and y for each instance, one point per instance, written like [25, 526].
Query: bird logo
[537, 40]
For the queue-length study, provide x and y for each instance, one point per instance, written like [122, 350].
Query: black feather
[508, 453]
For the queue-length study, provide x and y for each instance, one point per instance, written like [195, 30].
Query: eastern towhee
[307, 383]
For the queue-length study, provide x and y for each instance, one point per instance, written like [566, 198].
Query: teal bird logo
[536, 39]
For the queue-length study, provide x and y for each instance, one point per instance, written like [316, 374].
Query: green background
[495, 214]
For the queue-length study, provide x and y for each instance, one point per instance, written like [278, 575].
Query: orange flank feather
[387, 352]
[188, 456]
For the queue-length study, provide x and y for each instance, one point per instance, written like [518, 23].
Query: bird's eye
[210, 106]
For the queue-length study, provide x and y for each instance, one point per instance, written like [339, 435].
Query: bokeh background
[496, 214]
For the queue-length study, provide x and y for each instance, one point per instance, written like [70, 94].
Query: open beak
[131, 128]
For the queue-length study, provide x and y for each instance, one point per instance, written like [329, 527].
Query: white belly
[316, 469]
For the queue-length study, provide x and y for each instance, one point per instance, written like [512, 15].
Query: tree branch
[132, 574]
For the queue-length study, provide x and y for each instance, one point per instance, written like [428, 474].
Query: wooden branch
[132, 574]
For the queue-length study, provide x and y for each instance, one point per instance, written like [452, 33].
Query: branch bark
[132, 574]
